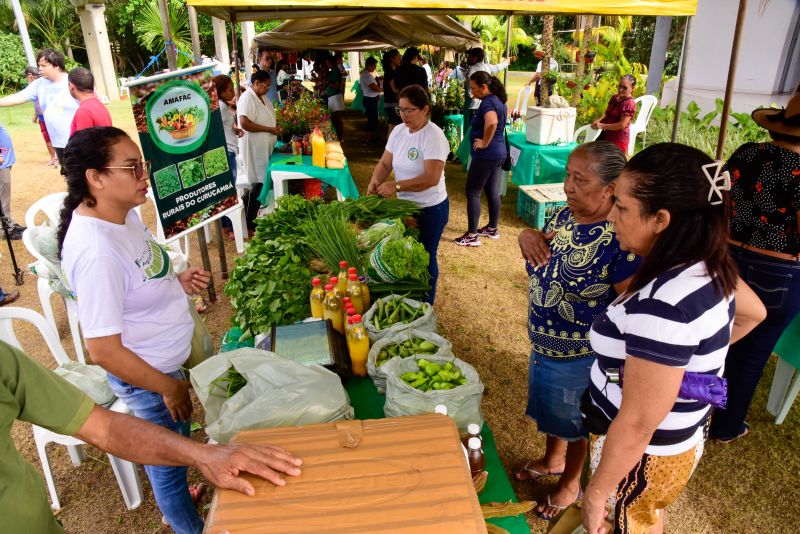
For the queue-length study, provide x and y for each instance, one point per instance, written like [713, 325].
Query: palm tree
[150, 34]
[580, 70]
[493, 31]
[547, 46]
[56, 21]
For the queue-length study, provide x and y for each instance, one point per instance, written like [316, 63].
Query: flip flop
[529, 473]
[558, 508]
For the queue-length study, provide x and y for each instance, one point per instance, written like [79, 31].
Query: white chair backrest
[7, 316]
[522, 98]
[30, 245]
[50, 205]
[645, 105]
[588, 133]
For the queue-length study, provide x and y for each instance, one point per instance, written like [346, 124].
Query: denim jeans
[777, 284]
[170, 486]
[432, 221]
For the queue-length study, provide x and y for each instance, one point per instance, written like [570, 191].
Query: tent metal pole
[508, 44]
[687, 32]
[235, 50]
[22, 27]
[729, 85]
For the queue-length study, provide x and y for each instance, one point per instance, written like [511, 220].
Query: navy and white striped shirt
[678, 320]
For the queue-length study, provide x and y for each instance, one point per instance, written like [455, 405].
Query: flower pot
[586, 87]
[571, 84]
[538, 54]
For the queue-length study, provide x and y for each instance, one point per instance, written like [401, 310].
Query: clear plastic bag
[91, 379]
[278, 393]
[378, 374]
[391, 228]
[463, 402]
[425, 323]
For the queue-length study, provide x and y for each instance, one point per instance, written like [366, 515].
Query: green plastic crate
[537, 203]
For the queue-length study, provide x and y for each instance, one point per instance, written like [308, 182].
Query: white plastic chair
[645, 104]
[523, 96]
[588, 133]
[784, 389]
[50, 206]
[125, 471]
[123, 89]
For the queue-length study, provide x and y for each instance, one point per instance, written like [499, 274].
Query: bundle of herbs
[369, 209]
[228, 384]
[330, 236]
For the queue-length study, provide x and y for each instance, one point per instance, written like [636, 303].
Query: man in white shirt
[537, 76]
[372, 95]
[51, 93]
[423, 62]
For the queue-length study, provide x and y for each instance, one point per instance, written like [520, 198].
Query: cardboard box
[398, 475]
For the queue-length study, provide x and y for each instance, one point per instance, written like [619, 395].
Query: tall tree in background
[580, 69]
[493, 30]
[547, 46]
[56, 23]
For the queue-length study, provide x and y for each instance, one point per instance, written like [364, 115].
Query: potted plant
[589, 56]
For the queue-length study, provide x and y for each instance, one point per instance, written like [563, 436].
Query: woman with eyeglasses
[416, 151]
[132, 307]
[616, 121]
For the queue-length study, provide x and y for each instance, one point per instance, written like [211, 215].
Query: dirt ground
[749, 486]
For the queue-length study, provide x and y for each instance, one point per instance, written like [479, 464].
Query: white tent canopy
[373, 31]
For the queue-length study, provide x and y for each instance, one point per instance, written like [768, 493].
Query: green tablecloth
[341, 179]
[368, 404]
[533, 164]
[538, 164]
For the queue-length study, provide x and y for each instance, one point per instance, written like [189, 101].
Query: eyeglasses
[405, 111]
[140, 169]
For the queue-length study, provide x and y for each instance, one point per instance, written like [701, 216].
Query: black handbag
[507, 163]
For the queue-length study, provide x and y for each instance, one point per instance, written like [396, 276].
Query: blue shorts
[555, 388]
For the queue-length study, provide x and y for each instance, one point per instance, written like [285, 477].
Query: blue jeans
[432, 221]
[170, 486]
[777, 284]
[555, 388]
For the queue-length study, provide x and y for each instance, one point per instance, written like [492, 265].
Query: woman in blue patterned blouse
[576, 269]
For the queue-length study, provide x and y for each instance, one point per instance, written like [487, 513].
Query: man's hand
[534, 246]
[387, 189]
[194, 280]
[178, 401]
[238, 131]
[222, 465]
[372, 188]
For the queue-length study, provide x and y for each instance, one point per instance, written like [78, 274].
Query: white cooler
[545, 126]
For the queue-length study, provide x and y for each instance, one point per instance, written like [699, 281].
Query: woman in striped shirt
[677, 316]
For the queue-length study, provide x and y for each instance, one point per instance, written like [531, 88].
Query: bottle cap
[350, 320]
[363, 279]
[329, 287]
[350, 311]
[474, 443]
[440, 408]
[474, 429]
[353, 278]
[334, 280]
[343, 264]
[352, 270]
[357, 318]
[316, 281]
[346, 300]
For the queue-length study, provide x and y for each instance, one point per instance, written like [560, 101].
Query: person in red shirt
[91, 112]
[616, 121]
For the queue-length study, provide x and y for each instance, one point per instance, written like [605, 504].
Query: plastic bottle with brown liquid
[473, 431]
[477, 461]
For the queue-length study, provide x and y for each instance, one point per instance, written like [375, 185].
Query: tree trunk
[68, 46]
[580, 69]
[547, 45]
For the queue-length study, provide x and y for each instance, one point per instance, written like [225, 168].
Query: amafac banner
[180, 129]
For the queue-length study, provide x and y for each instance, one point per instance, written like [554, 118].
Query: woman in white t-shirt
[132, 308]
[416, 151]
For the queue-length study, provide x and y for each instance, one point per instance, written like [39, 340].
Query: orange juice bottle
[317, 299]
[365, 298]
[358, 346]
[349, 312]
[343, 276]
[317, 148]
[333, 308]
[354, 292]
[345, 304]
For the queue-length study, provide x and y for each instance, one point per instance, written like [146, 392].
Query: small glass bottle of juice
[333, 308]
[365, 298]
[317, 299]
[358, 346]
[355, 294]
[343, 275]
[473, 431]
[477, 461]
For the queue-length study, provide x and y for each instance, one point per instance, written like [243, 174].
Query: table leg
[223, 260]
[201, 240]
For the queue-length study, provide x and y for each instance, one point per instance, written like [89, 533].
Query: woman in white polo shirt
[416, 151]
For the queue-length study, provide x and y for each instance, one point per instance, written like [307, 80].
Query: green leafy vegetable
[191, 172]
[377, 232]
[406, 258]
[228, 385]
[329, 235]
[215, 161]
[167, 182]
